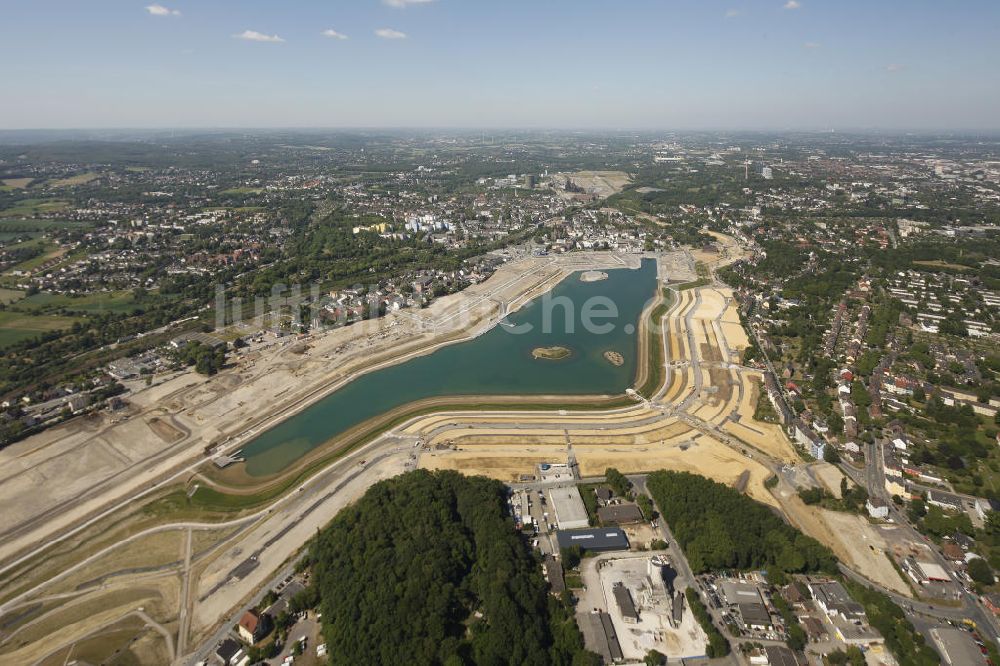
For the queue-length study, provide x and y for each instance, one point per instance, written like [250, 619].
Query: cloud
[403, 4]
[389, 33]
[254, 36]
[333, 34]
[893, 67]
[732, 13]
[160, 10]
[812, 45]
[793, 4]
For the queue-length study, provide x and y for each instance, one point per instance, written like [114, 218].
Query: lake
[498, 362]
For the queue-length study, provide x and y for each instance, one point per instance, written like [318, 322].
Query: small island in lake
[551, 353]
[614, 358]
[593, 276]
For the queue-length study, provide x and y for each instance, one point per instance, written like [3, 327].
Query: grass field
[655, 377]
[7, 236]
[945, 266]
[23, 224]
[117, 301]
[8, 296]
[242, 190]
[27, 207]
[79, 179]
[700, 282]
[11, 184]
[18, 326]
[50, 251]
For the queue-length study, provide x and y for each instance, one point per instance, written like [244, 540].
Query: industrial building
[569, 508]
[924, 572]
[596, 540]
[625, 604]
[746, 597]
[554, 574]
[833, 600]
[600, 636]
[779, 655]
[619, 514]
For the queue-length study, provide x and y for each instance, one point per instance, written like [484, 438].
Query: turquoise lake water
[499, 362]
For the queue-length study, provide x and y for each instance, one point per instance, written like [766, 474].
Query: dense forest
[720, 528]
[427, 568]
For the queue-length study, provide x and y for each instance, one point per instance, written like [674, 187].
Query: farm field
[18, 326]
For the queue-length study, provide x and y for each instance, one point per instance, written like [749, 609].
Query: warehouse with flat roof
[569, 509]
[619, 514]
[597, 540]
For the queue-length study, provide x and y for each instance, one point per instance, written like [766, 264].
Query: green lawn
[50, 251]
[13, 225]
[7, 236]
[117, 301]
[8, 296]
[700, 282]
[28, 207]
[18, 326]
[79, 179]
[242, 190]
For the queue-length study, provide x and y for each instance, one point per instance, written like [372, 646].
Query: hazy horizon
[735, 65]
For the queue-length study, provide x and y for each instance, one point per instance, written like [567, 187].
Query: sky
[573, 64]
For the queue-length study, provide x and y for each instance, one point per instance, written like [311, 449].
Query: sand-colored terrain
[601, 184]
[852, 538]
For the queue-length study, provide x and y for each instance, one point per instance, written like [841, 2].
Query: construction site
[630, 605]
[124, 535]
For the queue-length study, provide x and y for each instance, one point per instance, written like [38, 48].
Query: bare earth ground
[599, 183]
[851, 537]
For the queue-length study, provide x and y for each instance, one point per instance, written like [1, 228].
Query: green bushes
[717, 646]
[902, 639]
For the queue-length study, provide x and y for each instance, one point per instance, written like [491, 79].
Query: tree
[836, 423]
[717, 646]
[796, 637]
[655, 658]
[618, 482]
[720, 528]
[432, 562]
[571, 557]
[980, 571]
[831, 455]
